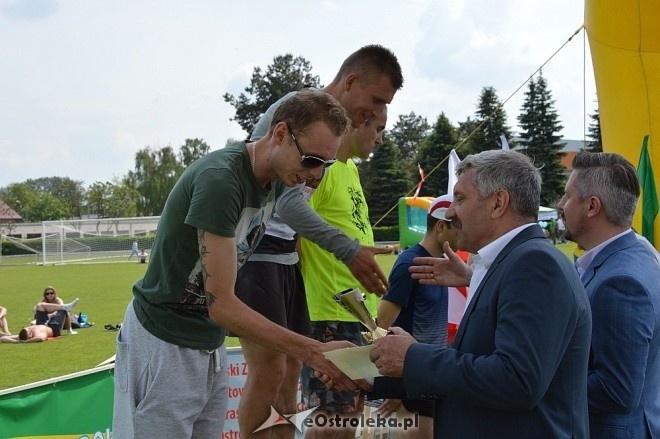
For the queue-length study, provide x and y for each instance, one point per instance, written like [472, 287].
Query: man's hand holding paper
[388, 353]
[340, 381]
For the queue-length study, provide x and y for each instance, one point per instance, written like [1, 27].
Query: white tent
[546, 213]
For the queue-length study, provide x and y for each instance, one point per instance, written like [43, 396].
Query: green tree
[191, 150]
[156, 172]
[19, 196]
[408, 133]
[96, 198]
[230, 141]
[387, 182]
[47, 207]
[70, 193]
[540, 139]
[284, 75]
[595, 143]
[434, 152]
[34, 205]
[465, 132]
[111, 200]
[491, 120]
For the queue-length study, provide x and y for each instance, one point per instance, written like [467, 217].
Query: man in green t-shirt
[171, 367]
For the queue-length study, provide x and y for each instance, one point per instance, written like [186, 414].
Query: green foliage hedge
[388, 233]
[10, 249]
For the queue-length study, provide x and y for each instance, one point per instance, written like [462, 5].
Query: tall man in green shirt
[171, 366]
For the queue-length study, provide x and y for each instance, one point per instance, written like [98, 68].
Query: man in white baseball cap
[439, 207]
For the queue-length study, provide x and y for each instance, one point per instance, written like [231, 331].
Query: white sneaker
[69, 306]
[72, 332]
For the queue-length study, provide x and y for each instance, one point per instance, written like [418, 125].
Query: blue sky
[85, 84]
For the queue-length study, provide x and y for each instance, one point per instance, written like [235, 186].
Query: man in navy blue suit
[622, 279]
[518, 365]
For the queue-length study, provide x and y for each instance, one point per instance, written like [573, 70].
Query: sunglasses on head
[309, 161]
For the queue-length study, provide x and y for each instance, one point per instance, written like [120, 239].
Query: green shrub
[11, 249]
[388, 233]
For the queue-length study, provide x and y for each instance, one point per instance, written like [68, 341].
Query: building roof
[574, 145]
[7, 214]
[570, 148]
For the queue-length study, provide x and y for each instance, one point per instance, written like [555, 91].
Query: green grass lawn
[104, 291]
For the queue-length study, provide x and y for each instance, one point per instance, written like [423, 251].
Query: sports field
[103, 289]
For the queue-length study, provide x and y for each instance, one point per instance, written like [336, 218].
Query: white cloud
[89, 83]
[28, 9]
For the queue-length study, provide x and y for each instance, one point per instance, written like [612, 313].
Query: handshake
[360, 364]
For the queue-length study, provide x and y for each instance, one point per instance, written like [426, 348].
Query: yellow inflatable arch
[624, 37]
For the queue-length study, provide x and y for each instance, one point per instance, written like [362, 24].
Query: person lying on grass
[39, 333]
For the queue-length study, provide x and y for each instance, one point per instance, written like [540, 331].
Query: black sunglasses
[309, 161]
[48, 293]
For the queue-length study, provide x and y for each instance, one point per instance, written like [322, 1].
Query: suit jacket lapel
[525, 235]
[621, 243]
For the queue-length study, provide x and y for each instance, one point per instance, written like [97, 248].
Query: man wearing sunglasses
[271, 282]
[171, 363]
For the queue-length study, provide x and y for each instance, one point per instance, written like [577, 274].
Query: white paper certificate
[354, 362]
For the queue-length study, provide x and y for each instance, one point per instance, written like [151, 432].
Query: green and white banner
[76, 406]
[79, 406]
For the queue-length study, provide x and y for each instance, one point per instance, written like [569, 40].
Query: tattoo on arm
[202, 253]
[210, 298]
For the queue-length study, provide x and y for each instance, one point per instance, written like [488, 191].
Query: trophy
[353, 302]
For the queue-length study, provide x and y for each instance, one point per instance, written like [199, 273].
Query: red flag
[421, 181]
[457, 302]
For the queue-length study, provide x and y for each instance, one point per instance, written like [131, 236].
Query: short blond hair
[309, 106]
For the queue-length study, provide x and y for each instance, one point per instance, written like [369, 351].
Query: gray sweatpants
[164, 390]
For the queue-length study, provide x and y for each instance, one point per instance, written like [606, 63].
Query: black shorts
[56, 323]
[41, 318]
[314, 393]
[275, 291]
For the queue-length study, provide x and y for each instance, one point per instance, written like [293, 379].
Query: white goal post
[100, 240]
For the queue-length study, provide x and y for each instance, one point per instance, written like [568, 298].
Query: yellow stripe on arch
[624, 37]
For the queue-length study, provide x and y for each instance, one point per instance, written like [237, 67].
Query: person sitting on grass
[43, 311]
[39, 333]
[4, 326]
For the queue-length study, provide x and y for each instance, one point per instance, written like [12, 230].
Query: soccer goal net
[97, 240]
[31, 253]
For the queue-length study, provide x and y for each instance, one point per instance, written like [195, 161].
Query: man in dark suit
[622, 279]
[518, 365]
